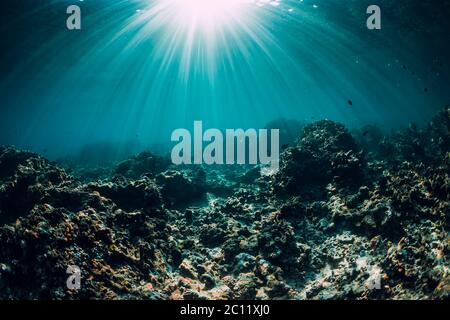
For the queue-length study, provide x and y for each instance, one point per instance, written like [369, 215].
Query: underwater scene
[224, 150]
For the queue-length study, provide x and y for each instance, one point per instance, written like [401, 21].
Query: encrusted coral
[340, 224]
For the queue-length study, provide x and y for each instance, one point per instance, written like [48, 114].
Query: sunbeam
[206, 16]
[197, 29]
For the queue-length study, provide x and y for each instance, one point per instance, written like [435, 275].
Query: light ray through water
[145, 67]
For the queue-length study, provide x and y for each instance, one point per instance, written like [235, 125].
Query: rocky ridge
[348, 216]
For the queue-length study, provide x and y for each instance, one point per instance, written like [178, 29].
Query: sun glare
[208, 15]
[184, 31]
[200, 17]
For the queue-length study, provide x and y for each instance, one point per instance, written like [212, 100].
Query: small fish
[350, 102]
[365, 133]
[425, 89]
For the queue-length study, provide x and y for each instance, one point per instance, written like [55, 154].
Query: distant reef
[349, 215]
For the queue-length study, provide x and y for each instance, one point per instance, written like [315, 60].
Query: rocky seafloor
[349, 215]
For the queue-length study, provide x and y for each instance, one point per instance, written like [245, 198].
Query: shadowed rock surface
[346, 217]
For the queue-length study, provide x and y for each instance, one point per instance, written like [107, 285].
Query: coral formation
[363, 216]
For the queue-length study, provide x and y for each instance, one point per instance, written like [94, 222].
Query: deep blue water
[136, 71]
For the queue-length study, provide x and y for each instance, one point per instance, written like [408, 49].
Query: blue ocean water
[139, 69]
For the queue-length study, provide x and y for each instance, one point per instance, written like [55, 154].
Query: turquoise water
[139, 69]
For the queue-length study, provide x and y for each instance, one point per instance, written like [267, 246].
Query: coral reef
[327, 147]
[362, 216]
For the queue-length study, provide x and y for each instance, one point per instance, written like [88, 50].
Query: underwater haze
[139, 69]
[350, 98]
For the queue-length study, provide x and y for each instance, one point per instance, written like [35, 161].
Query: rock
[208, 280]
[141, 194]
[187, 270]
[326, 151]
[331, 223]
[144, 163]
[179, 188]
[26, 178]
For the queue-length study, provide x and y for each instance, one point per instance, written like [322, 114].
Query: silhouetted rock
[325, 151]
[25, 178]
[342, 225]
[179, 188]
[143, 163]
